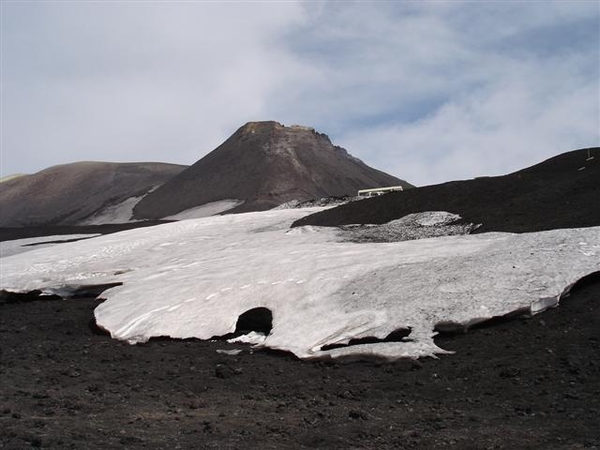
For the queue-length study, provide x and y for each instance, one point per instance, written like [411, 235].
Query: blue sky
[427, 91]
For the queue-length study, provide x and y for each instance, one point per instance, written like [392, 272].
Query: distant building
[378, 191]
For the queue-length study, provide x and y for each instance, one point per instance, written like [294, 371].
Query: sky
[427, 91]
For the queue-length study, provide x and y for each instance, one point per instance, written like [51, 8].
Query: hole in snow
[255, 319]
[398, 335]
[254, 322]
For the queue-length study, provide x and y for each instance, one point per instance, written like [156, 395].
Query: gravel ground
[527, 383]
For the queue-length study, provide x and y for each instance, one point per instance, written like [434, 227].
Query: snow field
[194, 278]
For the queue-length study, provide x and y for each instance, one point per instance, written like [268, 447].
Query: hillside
[265, 164]
[70, 193]
[561, 192]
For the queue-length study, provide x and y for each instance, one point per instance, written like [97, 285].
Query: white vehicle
[378, 191]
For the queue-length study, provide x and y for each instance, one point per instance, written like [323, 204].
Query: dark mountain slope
[66, 194]
[561, 192]
[265, 164]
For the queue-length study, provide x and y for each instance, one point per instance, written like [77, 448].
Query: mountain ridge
[68, 193]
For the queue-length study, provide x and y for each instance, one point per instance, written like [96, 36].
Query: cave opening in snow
[252, 327]
[259, 320]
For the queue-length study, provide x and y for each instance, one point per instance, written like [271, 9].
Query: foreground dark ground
[10, 233]
[526, 384]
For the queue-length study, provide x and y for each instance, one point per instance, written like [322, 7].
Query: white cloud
[516, 120]
[131, 81]
[430, 91]
[457, 91]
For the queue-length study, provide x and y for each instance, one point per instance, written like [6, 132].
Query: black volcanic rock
[561, 192]
[66, 194]
[265, 164]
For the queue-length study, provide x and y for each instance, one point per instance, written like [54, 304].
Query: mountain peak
[270, 126]
[250, 127]
[265, 164]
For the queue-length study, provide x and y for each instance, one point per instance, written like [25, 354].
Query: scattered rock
[358, 414]
[225, 371]
[510, 372]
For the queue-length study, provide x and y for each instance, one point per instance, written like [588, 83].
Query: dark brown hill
[265, 164]
[66, 194]
[561, 192]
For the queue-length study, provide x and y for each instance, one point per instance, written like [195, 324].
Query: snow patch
[287, 205]
[234, 352]
[428, 218]
[206, 210]
[317, 202]
[321, 289]
[120, 213]
[254, 338]
[413, 226]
